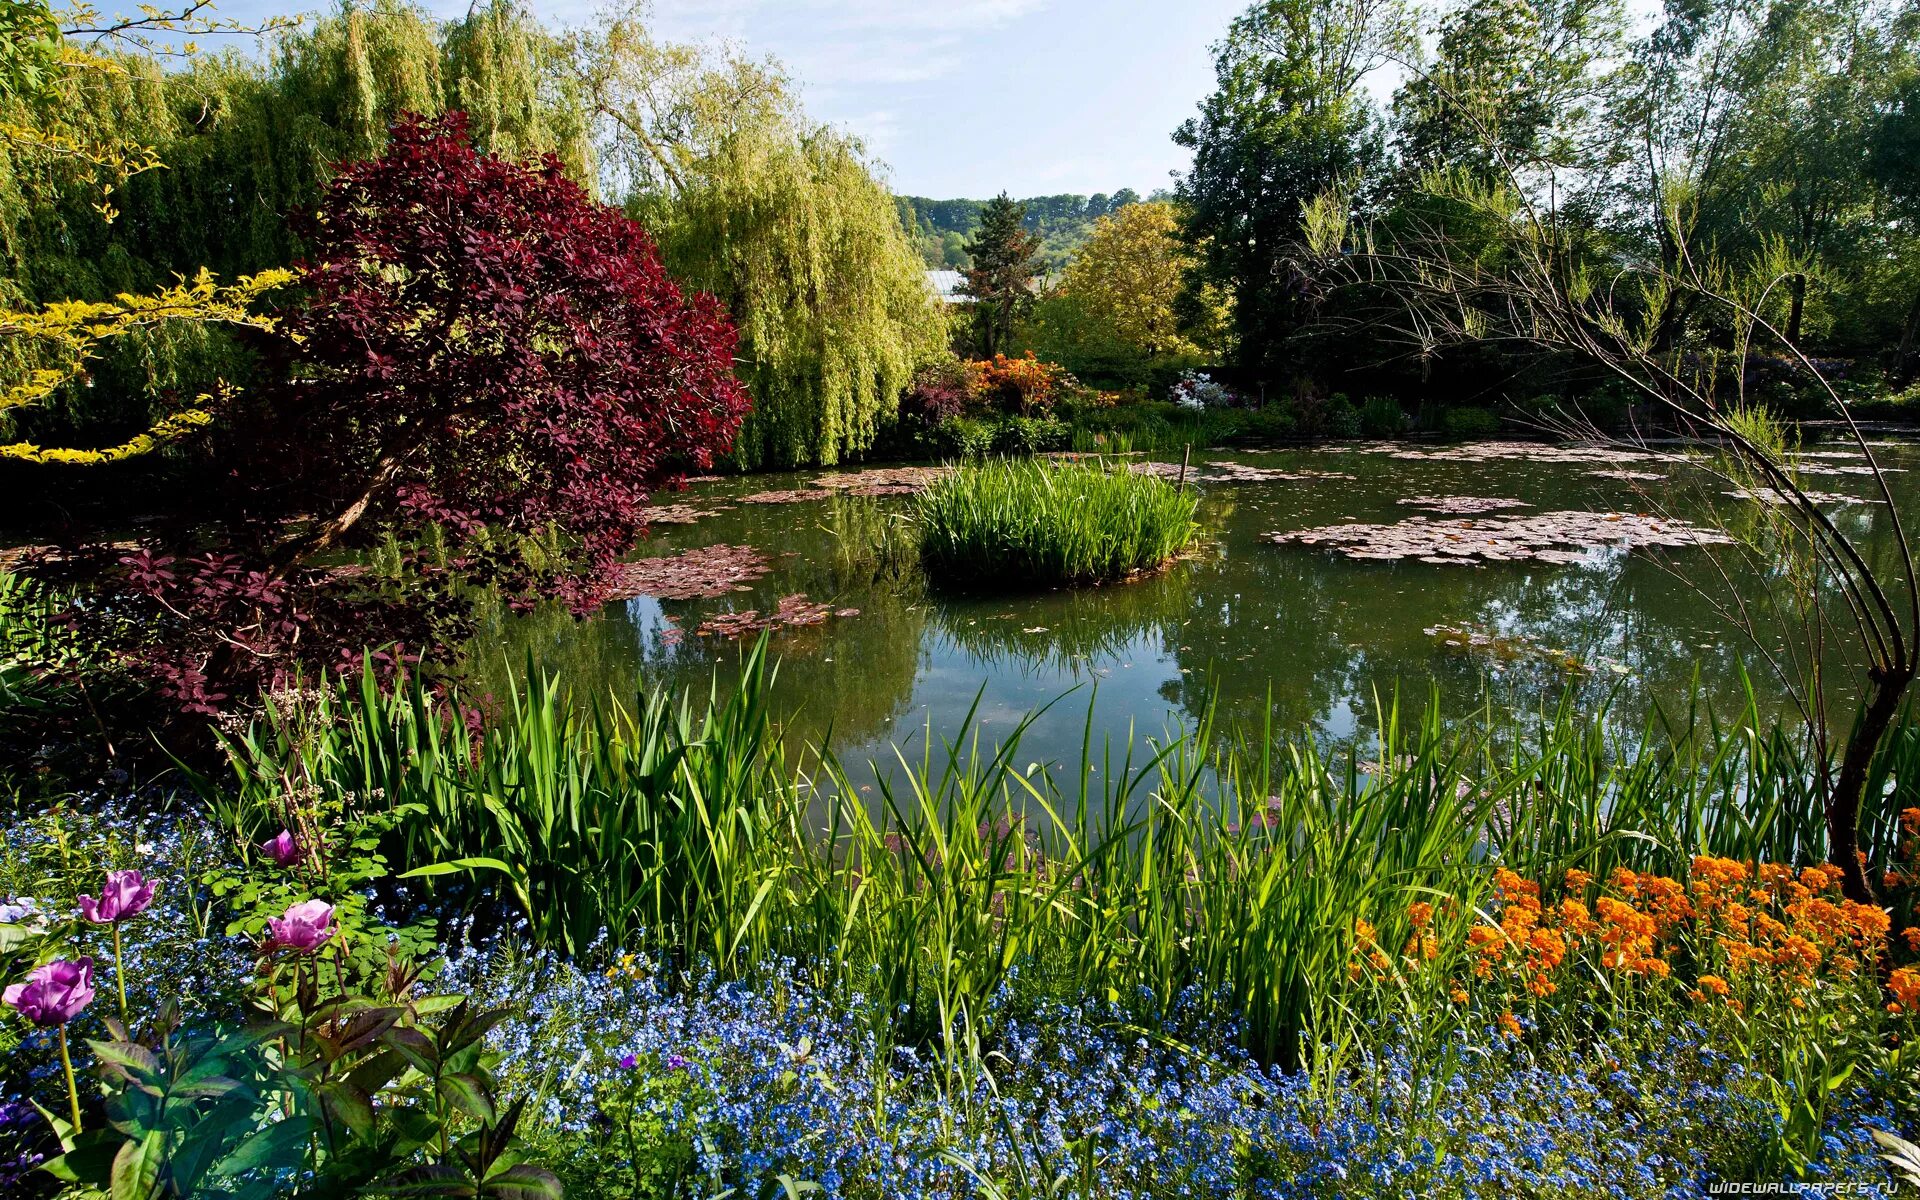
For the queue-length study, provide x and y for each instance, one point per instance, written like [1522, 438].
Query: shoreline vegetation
[1212, 938]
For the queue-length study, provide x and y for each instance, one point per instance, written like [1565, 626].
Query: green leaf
[348, 1105]
[282, 1141]
[136, 1168]
[524, 1183]
[468, 1093]
[456, 866]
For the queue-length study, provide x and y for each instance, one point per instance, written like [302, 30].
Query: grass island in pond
[1034, 523]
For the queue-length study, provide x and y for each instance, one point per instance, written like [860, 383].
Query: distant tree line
[941, 228]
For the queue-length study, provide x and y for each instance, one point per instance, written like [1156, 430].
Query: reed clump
[1038, 523]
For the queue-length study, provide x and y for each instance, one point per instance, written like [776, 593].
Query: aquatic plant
[1018, 524]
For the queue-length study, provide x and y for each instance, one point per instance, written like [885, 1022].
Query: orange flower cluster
[1025, 385]
[1531, 938]
[1796, 925]
[1742, 926]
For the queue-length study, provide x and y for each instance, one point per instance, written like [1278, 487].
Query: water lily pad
[1463, 506]
[793, 612]
[1232, 472]
[690, 575]
[1629, 476]
[681, 514]
[787, 496]
[1555, 537]
[1779, 499]
[882, 481]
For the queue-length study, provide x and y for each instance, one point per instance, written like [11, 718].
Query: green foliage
[792, 231]
[1023, 524]
[1382, 417]
[342, 1094]
[1468, 423]
[779, 217]
[940, 228]
[1030, 435]
[623, 821]
[1000, 274]
[245, 140]
[1288, 121]
[1240, 882]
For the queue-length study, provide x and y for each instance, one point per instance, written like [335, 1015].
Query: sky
[964, 98]
[969, 97]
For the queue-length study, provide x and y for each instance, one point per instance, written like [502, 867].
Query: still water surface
[1293, 633]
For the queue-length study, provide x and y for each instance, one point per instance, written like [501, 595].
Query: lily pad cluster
[793, 612]
[882, 481]
[1463, 506]
[681, 514]
[1539, 452]
[1628, 476]
[1232, 472]
[1555, 537]
[787, 496]
[700, 574]
[1779, 499]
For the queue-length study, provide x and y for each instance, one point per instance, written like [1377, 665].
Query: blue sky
[965, 97]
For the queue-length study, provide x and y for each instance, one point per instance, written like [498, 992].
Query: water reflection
[1288, 634]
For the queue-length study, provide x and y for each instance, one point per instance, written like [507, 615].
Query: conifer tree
[1000, 281]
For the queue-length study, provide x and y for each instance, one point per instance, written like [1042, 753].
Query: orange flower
[1420, 913]
[1509, 1024]
[1904, 984]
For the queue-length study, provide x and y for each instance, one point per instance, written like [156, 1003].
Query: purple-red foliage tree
[487, 369]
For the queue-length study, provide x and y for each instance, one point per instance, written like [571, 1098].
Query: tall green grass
[1214, 869]
[1025, 523]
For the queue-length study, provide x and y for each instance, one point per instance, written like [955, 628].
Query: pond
[1295, 631]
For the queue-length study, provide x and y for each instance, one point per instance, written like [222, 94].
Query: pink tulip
[53, 994]
[127, 894]
[283, 848]
[303, 927]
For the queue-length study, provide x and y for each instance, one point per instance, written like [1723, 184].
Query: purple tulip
[628, 1062]
[53, 994]
[676, 1063]
[283, 848]
[303, 927]
[127, 894]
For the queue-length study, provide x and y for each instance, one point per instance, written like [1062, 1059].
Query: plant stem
[73, 1089]
[120, 972]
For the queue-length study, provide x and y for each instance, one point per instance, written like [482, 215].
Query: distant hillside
[941, 227]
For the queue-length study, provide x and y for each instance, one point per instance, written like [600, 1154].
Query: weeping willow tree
[782, 219]
[236, 143]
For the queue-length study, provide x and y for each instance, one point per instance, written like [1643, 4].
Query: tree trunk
[1885, 692]
[1797, 312]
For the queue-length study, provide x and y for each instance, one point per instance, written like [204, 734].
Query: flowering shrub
[1197, 391]
[347, 1082]
[940, 392]
[1024, 386]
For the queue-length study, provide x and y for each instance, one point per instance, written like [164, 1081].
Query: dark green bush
[1340, 419]
[1030, 435]
[1382, 417]
[1464, 423]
